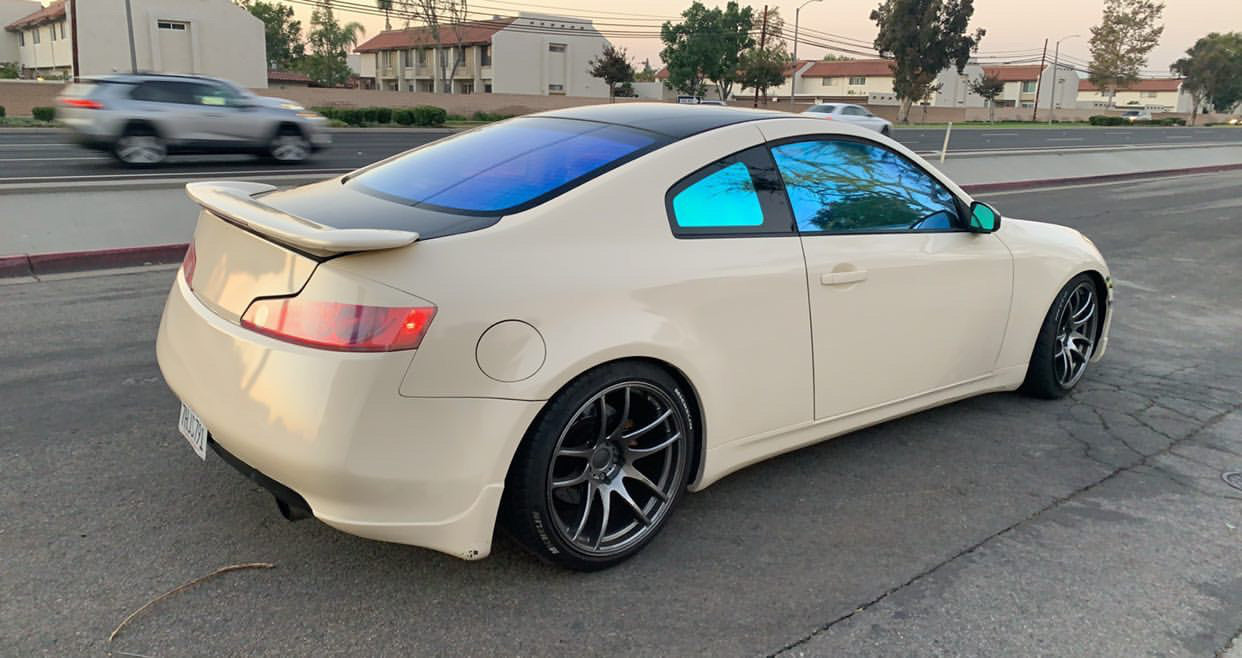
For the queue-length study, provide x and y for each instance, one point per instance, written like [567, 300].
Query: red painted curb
[1102, 178]
[75, 261]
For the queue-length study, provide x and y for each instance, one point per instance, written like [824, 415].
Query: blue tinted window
[724, 198]
[842, 186]
[505, 165]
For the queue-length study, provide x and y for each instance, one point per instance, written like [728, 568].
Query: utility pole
[129, 22]
[1056, 77]
[763, 37]
[793, 74]
[1039, 81]
[73, 35]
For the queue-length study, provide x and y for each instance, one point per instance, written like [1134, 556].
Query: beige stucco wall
[51, 52]
[226, 41]
[521, 63]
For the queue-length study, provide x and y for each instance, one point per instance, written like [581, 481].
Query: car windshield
[505, 167]
[1130, 114]
[826, 109]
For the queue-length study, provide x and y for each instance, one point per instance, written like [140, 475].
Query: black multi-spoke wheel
[602, 468]
[1066, 340]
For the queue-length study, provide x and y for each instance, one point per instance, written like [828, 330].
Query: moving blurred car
[1234, 121]
[463, 332]
[1136, 115]
[855, 114]
[141, 119]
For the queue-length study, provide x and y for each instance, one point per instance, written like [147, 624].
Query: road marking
[184, 174]
[1071, 186]
[1131, 284]
[30, 146]
[1000, 134]
[1065, 139]
[80, 157]
[1179, 136]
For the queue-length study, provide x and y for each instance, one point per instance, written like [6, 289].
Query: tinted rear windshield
[506, 167]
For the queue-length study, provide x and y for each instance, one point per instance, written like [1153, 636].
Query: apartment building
[1157, 95]
[1028, 84]
[870, 81]
[525, 54]
[206, 37]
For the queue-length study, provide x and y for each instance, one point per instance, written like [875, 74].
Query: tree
[1212, 72]
[989, 87]
[613, 65]
[833, 57]
[648, 74]
[923, 38]
[706, 45]
[764, 65]
[434, 14]
[285, 49]
[1119, 45]
[329, 43]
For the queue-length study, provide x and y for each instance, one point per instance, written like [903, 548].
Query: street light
[1056, 73]
[793, 72]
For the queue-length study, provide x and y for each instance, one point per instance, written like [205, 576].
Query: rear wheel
[1066, 340]
[602, 468]
[886, 131]
[289, 145]
[140, 146]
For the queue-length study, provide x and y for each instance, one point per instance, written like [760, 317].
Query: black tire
[1048, 376]
[886, 131]
[546, 486]
[289, 146]
[139, 146]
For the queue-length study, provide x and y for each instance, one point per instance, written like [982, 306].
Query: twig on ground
[185, 586]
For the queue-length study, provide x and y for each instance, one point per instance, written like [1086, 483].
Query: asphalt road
[41, 156]
[1098, 525]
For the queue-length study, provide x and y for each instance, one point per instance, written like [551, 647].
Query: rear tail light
[341, 327]
[84, 103]
[188, 265]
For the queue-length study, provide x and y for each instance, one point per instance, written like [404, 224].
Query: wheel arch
[698, 449]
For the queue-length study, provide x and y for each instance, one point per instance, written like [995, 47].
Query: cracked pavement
[1098, 525]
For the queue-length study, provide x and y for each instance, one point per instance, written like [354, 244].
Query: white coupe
[567, 320]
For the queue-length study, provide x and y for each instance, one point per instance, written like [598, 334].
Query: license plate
[193, 430]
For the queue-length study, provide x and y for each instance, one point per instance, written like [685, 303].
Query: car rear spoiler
[235, 202]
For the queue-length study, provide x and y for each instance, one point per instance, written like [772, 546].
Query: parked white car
[564, 321]
[855, 114]
[1136, 115]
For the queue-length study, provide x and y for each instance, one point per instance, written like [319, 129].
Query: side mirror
[984, 218]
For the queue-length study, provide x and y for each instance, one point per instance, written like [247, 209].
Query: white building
[206, 37]
[1156, 94]
[527, 54]
[870, 81]
[1027, 84]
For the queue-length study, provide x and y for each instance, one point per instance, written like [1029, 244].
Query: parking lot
[1099, 525]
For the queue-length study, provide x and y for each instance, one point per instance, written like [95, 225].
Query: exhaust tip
[291, 512]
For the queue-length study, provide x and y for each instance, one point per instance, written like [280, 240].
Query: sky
[1016, 29]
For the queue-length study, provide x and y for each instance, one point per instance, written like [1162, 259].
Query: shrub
[458, 117]
[352, 116]
[1105, 120]
[370, 114]
[1, 111]
[383, 114]
[43, 113]
[429, 115]
[404, 117]
[488, 116]
[325, 112]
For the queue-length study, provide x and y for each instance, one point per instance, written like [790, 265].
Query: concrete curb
[35, 265]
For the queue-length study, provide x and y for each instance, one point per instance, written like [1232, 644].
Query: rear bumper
[332, 428]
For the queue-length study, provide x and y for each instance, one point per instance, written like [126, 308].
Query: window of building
[422, 56]
[1148, 94]
[51, 32]
[1028, 86]
[487, 87]
[407, 58]
[858, 79]
[466, 87]
[21, 38]
[35, 33]
[828, 82]
[172, 25]
[485, 55]
[505, 166]
[556, 47]
[556, 89]
[840, 186]
[61, 26]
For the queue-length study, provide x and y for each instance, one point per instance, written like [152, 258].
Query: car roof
[673, 120]
[142, 77]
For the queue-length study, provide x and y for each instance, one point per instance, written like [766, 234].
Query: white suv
[143, 118]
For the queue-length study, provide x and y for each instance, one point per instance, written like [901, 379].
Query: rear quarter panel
[599, 274]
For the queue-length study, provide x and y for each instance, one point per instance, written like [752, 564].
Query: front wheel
[289, 146]
[140, 147]
[1066, 340]
[602, 468]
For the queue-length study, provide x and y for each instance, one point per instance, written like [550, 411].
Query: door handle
[841, 278]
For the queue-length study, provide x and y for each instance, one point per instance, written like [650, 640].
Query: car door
[903, 299]
[171, 105]
[232, 116]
